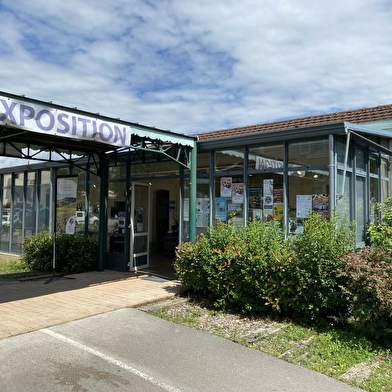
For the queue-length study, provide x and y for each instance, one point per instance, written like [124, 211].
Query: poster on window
[304, 205]
[254, 198]
[225, 186]
[66, 191]
[278, 196]
[220, 208]
[237, 195]
[268, 187]
[320, 204]
[268, 204]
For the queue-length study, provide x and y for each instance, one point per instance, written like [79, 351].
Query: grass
[11, 264]
[340, 354]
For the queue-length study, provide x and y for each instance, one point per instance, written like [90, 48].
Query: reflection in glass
[309, 153]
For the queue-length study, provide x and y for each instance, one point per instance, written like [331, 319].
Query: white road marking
[111, 360]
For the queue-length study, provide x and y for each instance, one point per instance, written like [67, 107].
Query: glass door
[139, 219]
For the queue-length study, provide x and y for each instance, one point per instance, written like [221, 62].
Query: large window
[307, 191]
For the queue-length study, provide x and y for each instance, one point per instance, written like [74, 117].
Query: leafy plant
[74, 253]
[228, 264]
[308, 284]
[38, 251]
[369, 287]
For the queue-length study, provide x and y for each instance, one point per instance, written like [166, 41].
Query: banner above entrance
[54, 121]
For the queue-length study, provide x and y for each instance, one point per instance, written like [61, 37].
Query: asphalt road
[129, 350]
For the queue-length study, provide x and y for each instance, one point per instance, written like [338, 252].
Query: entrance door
[139, 219]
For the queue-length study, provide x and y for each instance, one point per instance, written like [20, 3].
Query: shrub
[38, 251]
[230, 265]
[74, 253]
[254, 268]
[201, 265]
[369, 288]
[308, 284]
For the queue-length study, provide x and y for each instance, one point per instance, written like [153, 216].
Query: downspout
[345, 161]
[192, 193]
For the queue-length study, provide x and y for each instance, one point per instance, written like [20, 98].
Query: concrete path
[81, 334]
[32, 305]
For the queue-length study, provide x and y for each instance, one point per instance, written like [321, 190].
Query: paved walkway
[32, 305]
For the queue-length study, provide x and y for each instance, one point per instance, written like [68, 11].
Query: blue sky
[196, 66]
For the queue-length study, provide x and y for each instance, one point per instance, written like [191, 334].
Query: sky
[192, 66]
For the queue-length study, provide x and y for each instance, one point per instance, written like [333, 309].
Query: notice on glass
[304, 205]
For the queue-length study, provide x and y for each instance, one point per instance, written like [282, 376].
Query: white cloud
[201, 65]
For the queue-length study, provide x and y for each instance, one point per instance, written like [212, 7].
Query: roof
[356, 116]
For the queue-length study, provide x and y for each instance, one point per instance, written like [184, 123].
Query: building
[139, 197]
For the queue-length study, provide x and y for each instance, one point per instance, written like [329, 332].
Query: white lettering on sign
[62, 123]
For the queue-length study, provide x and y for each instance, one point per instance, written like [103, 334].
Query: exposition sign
[54, 121]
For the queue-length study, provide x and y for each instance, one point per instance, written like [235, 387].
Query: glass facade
[287, 180]
[282, 181]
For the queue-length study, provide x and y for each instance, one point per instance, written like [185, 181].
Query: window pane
[309, 153]
[341, 152]
[360, 209]
[360, 158]
[30, 218]
[44, 201]
[261, 205]
[6, 213]
[373, 164]
[17, 211]
[266, 157]
[229, 160]
[343, 192]
[308, 191]
[229, 199]
[203, 163]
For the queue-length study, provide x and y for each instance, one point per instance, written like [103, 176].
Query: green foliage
[74, 253]
[369, 287]
[38, 251]
[254, 268]
[229, 264]
[381, 233]
[308, 285]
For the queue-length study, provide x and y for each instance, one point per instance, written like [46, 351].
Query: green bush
[74, 253]
[230, 265]
[254, 268]
[37, 251]
[308, 284]
[369, 288]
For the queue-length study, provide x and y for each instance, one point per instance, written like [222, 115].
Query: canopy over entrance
[43, 131]
[29, 128]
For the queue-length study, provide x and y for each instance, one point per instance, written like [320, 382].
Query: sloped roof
[357, 116]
